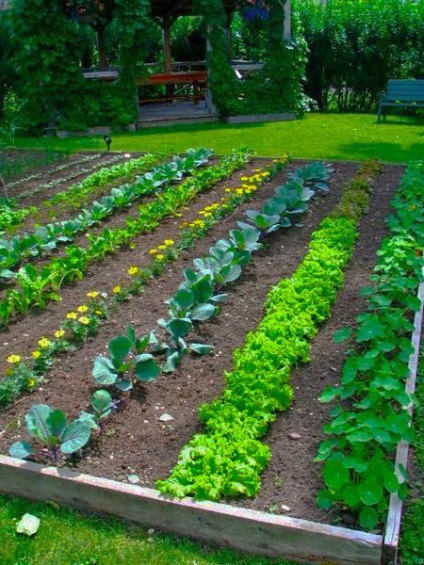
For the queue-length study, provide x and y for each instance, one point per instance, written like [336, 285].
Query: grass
[65, 538]
[316, 136]
[412, 540]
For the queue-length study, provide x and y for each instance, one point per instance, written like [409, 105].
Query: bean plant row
[371, 415]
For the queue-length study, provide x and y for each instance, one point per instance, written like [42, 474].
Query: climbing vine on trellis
[55, 94]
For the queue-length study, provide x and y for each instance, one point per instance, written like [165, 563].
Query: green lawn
[316, 136]
[66, 538]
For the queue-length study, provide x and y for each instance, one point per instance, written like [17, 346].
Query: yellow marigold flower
[244, 178]
[160, 257]
[207, 215]
[59, 333]
[36, 354]
[202, 212]
[98, 312]
[31, 382]
[44, 343]
[153, 252]
[169, 242]
[161, 247]
[72, 315]
[82, 308]
[117, 289]
[258, 170]
[132, 271]
[14, 359]
[192, 225]
[9, 371]
[84, 320]
[227, 190]
[92, 294]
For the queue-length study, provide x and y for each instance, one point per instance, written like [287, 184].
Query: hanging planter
[254, 10]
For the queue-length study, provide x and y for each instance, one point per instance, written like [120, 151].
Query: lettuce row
[371, 417]
[228, 458]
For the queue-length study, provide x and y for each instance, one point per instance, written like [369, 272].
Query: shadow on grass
[384, 151]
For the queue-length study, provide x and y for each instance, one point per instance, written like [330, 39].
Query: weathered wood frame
[239, 528]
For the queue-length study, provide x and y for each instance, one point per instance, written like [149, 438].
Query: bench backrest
[405, 89]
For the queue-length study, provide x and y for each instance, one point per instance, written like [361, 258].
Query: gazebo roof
[162, 8]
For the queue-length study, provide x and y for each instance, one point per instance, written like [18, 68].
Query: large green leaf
[103, 371]
[202, 312]
[20, 450]
[335, 475]
[183, 300]
[75, 436]
[179, 327]
[146, 369]
[203, 289]
[119, 348]
[368, 518]
[370, 492]
[370, 328]
[56, 422]
[36, 421]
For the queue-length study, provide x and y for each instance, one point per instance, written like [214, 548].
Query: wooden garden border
[392, 533]
[242, 529]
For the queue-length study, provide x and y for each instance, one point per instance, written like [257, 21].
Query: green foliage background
[355, 46]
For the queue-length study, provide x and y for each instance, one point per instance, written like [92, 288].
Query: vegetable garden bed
[142, 439]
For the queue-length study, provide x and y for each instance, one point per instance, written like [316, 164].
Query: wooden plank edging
[392, 531]
[242, 529]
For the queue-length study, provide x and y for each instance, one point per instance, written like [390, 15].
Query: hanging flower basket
[254, 10]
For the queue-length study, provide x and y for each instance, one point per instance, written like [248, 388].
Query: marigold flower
[161, 247]
[36, 354]
[72, 315]
[84, 320]
[59, 333]
[160, 257]
[98, 312]
[117, 289]
[14, 359]
[227, 190]
[93, 294]
[153, 252]
[132, 271]
[44, 343]
[82, 308]
[169, 242]
[31, 383]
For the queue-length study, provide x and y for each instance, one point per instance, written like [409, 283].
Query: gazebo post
[166, 33]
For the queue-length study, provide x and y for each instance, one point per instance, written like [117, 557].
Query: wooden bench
[196, 79]
[402, 93]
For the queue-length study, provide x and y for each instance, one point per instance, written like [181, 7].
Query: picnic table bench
[402, 93]
[196, 79]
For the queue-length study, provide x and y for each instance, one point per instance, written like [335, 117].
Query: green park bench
[402, 93]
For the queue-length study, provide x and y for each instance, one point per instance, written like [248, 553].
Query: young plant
[103, 405]
[51, 428]
[128, 359]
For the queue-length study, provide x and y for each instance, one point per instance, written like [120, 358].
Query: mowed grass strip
[315, 136]
[67, 538]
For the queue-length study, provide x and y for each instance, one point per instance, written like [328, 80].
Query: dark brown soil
[135, 440]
